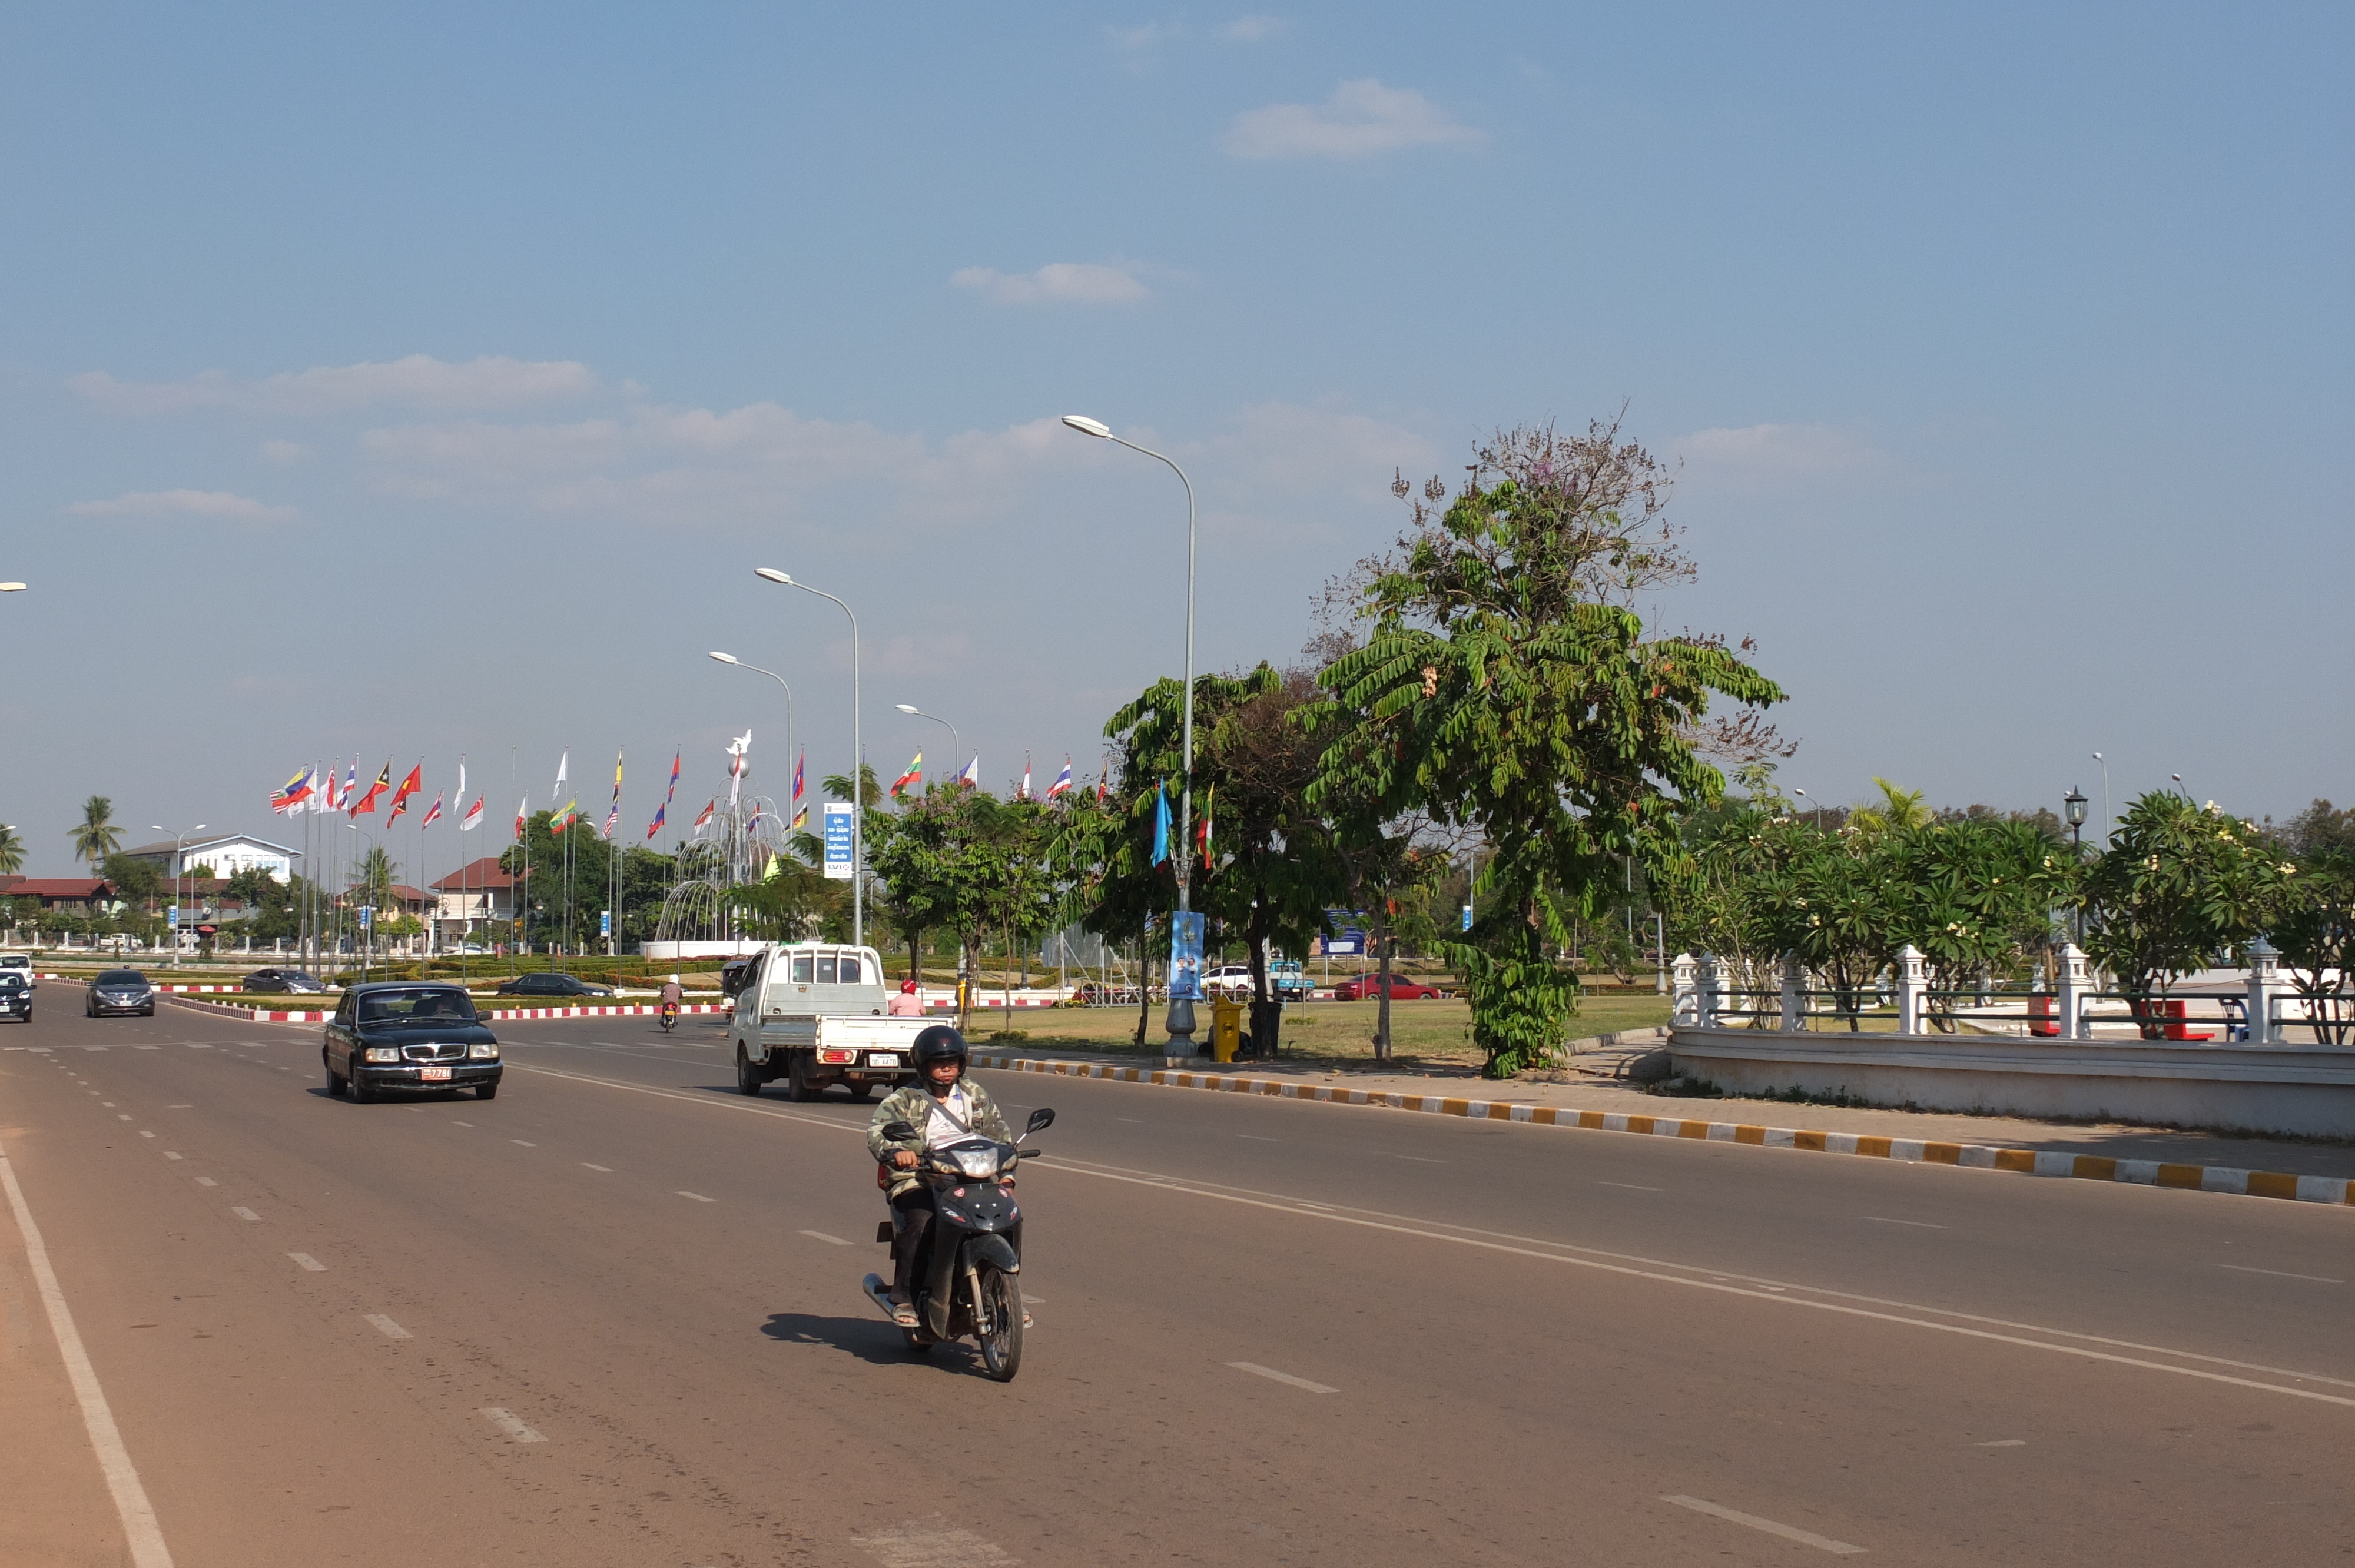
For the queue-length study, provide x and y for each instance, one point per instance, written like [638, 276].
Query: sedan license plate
[434, 1076]
[882, 1058]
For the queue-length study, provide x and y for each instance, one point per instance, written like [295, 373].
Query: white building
[227, 855]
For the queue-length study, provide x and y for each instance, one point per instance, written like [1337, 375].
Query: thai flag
[1062, 784]
[432, 813]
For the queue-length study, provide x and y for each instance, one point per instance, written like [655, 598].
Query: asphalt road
[612, 1316]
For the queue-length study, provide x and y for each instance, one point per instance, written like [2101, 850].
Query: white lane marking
[2003, 1443]
[120, 1116]
[697, 1196]
[1631, 1186]
[1132, 1121]
[172, 1154]
[146, 1047]
[1419, 1160]
[1788, 1532]
[1917, 1224]
[146, 1134]
[1257, 1371]
[108, 1104]
[606, 1168]
[931, 1544]
[388, 1328]
[508, 1422]
[821, 1235]
[245, 1213]
[1034, 1301]
[1633, 1265]
[308, 1261]
[1255, 1138]
[524, 1145]
[455, 1122]
[179, 1108]
[140, 1531]
[2280, 1274]
[207, 1181]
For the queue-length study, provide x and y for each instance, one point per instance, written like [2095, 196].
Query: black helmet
[939, 1043]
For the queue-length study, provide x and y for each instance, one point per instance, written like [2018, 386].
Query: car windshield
[121, 977]
[420, 1005]
[10, 980]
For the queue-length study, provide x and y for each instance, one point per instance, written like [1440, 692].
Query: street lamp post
[954, 740]
[2108, 822]
[367, 927]
[858, 763]
[1817, 805]
[179, 843]
[731, 659]
[2072, 807]
[1181, 1008]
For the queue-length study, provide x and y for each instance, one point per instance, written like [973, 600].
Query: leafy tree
[136, 881]
[271, 904]
[2181, 887]
[1973, 897]
[12, 851]
[2315, 924]
[1897, 809]
[97, 836]
[1508, 688]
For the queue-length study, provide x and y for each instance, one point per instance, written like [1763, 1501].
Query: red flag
[366, 802]
[473, 817]
[523, 810]
[708, 811]
[408, 786]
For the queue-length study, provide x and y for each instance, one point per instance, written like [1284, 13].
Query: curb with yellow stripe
[1872, 1146]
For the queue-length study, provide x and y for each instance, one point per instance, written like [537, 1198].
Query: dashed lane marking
[606, 1168]
[697, 1196]
[308, 1261]
[1631, 1186]
[207, 1181]
[2280, 1274]
[508, 1422]
[821, 1235]
[172, 1154]
[2003, 1443]
[1257, 1371]
[518, 1140]
[455, 1122]
[1788, 1532]
[245, 1213]
[932, 1543]
[146, 1133]
[388, 1328]
[1917, 1224]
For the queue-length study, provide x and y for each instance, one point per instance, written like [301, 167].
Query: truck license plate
[435, 1074]
[882, 1058]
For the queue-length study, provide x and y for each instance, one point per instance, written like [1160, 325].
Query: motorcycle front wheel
[1001, 1314]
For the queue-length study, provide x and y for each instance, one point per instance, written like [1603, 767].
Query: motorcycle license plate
[435, 1075]
[882, 1058]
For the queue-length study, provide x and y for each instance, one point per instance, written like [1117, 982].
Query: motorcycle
[967, 1264]
[669, 1016]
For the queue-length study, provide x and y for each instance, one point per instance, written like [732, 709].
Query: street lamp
[2108, 822]
[1817, 805]
[178, 842]
[731, 659]
[367, 928]
[954, 740]
[12, 587]
[858, 763]
[2073, 808]
[1181, 1010]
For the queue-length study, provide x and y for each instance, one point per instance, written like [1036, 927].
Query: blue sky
[400, 384]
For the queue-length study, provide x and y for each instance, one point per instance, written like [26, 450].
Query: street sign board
[1467, 916]
[605, 923]
[171, 916]
[837, 841]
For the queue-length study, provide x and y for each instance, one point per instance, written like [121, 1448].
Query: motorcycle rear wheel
[1001, 1345]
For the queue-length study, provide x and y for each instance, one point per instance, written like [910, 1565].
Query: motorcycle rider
[672, 992]
[944, 1109]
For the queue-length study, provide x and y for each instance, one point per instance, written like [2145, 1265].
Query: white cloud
[418, 381]
[285, 453]
[1761, 456]
[1058, 283]
[159, 504]
[1143, 35]
[1360, 119]
[1251, 29]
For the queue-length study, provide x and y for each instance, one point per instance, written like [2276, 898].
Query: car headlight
[483, 1053]
[384, 1053]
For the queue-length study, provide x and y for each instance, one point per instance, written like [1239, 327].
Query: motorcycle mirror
[1040, 1119]
[899, 1132]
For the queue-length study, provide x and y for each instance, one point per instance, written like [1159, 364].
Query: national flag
[674, 775]
[1062, 784]
[971, 774]
[432, 813]
[701, 822]
[612, 821]
[1203, 833]
[564, 818]
[656, 825]
[1161, 824]
[351, 782]
[410, 786]
[915, 775]
[523, 814]
[562, 762]
[473, 817]
[290, 796]
[366, 802]
[1024, 794]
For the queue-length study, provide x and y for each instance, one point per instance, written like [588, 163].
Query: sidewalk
[1597, 1088]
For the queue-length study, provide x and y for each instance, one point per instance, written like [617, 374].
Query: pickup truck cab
[813, 1014]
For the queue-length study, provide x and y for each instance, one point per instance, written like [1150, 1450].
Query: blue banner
[1186, 957]
[837, 841]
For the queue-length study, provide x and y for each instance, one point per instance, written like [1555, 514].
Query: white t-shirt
[939, 1131]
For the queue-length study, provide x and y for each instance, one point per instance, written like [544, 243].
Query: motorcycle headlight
[977, 1163]
[384, 1053]
[484, 1052]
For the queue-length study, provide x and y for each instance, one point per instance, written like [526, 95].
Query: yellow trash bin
[1226, 1029]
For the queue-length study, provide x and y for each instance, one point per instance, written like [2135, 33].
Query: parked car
[283, 981]
[15, 995]
[547, 982]
[119, 990]
[1232, 981]
[1364, 988]
[398, 1035]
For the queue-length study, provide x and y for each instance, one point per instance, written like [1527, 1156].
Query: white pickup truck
[813, 1014]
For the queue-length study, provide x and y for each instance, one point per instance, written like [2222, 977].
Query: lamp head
[908, 708]
[724, 658]
[12, 587]
[2073, 805]
[1088, 427]
[2097, 757]
[773, 575]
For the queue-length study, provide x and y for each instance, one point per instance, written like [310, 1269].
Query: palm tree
[96, 837]
[12, 851]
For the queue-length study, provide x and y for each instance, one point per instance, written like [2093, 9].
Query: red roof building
[479, 890]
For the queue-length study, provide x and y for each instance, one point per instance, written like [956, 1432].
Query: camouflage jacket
[913, 1104]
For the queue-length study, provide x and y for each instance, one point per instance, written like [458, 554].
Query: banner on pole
[837, 841]
[1186, 955]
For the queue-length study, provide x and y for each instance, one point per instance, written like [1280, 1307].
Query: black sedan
[401, 1035]
[15, 996]
[119, 990]
[283, 981]
[547, 982]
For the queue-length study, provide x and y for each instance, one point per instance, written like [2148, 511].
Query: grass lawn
[1425, 1035]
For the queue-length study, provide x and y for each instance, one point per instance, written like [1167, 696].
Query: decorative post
[1795, 1005]
[1910, 987]
[2264, 982]
[1680, 994]
[1705, 992]
[2071, 989]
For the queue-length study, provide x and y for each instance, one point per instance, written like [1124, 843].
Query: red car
[1369, 986]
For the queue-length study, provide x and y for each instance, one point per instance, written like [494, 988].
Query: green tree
[136, 881]
[97, 836]
[12, 851]
[1973, 897]
[1506, 687]
[270, 904]
[2313, 926]
[1897, 809]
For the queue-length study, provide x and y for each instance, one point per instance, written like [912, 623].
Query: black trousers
[911, 1216]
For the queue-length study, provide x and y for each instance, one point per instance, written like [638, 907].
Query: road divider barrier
[645, 1010]
[1872, 1146]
